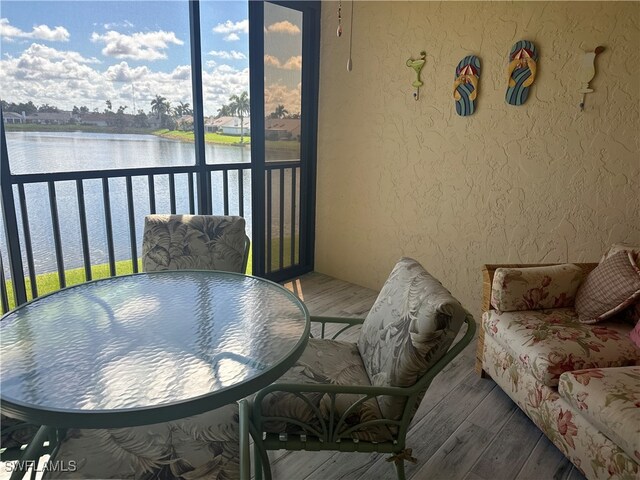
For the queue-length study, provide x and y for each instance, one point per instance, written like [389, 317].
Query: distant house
[14, 118]
[212, 125]
[282, 128]
[96, 119]
[51, 118]
[185, 122]
[228, 126]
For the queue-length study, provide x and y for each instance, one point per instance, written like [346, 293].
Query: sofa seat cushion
[325, 362]
[610, 399]
[550, 342]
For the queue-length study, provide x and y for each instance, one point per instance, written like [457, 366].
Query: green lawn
[49, 282]
[208, 137]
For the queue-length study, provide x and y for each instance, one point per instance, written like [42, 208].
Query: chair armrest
[371, 390]
[411, 394]
[348, 322]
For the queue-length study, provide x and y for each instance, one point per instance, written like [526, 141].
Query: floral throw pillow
[610, 288]
[535, 288]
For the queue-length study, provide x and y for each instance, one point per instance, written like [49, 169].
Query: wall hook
[587, 72]
[417, 66]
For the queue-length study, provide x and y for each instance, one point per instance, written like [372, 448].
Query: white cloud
[137, 46]
[211, 63]
[39, 51]
[293, 63]
[228, 55]
[220, 83]
[232, 27]
[66, 78]
[232, 37]
[123, 24]
[181, 72]
[271, 61]
[279, 94]
[40, 32]
[122, 72]
[284, 27]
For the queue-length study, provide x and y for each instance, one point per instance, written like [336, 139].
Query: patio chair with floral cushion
[361, 397]
[194, 242]
[14, 434]
[204, 446]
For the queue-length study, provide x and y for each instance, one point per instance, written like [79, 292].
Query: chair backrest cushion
[198, 242]
[410, 326]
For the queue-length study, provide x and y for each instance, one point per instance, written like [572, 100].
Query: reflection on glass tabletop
[146, 340]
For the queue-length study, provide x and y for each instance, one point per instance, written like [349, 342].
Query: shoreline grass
[179, 135]
[214, 138]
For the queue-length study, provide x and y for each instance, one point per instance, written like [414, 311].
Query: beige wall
[542, 182]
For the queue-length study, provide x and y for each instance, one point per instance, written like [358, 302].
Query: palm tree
[224, 111]
[279, 112]
[183, 109]
[240, 107]
[160, 106]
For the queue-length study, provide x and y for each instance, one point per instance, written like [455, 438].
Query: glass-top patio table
[147, 348]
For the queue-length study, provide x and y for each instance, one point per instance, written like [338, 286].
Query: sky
[87, 52]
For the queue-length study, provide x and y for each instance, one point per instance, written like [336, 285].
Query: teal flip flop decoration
[521, 72]
[465, 86]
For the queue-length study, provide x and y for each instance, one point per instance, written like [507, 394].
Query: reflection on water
[45, 152]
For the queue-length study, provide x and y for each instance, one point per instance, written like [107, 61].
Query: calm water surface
[43, 152]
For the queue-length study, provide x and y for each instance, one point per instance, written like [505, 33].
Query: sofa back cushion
[535, 288]
[410, 326]
[610, 288]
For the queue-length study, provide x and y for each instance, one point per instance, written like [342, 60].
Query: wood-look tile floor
[465, 428]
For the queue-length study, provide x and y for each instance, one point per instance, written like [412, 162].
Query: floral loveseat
[578, 382]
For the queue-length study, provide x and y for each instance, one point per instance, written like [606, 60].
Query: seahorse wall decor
[521, 72]
[417, 66]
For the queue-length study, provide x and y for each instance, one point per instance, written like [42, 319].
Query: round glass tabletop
[146, 348]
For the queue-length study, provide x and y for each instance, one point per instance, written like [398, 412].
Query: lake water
[44, 152]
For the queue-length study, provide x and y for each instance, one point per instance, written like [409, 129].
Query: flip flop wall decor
[465, 86]
[521, 72]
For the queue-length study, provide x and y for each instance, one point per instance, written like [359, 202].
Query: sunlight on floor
[295, 287]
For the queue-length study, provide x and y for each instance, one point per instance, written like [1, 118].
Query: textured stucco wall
[538, 183]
